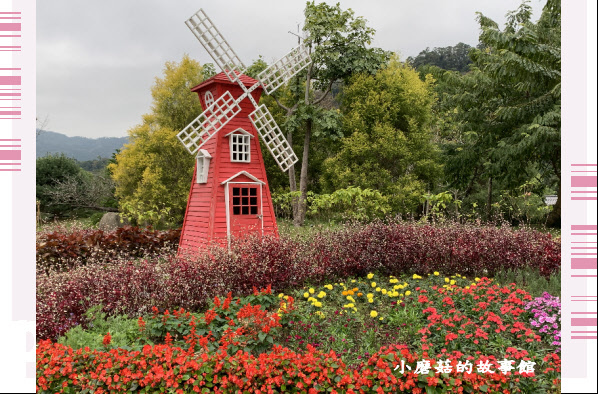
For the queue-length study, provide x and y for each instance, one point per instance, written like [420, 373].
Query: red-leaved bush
[59, 250]
[133, 287]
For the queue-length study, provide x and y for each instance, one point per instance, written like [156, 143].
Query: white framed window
[240, 147]
[203, 166]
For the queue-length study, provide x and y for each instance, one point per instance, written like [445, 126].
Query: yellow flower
[321, 294]
[407, 293]
[383, 291]
[311, 299]
[373, 284]
[477, 279]
[378, 289]
[382, 318]
[321, 314]
[467, 287]
[350, 299]
[311, 290]
[306, 294]
[329, 287]
[370, 276]
[281, 295]
[473, 285]
[415, 276]
[436, 273]
[402, 295]
[452, 282]
[352, 280]
[373, 313]
[370, 300]
[447, 280]
[393, 280]
[370, 295]
[286, 297]
[318, 304]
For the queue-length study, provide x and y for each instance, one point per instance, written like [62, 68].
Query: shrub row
[59, 251]
[133, 287]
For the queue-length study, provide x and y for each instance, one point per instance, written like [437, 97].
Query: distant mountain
[80, 148]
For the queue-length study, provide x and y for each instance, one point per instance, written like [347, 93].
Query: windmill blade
[215, 44]
[195, 135]
[284, 69]
[273, 138]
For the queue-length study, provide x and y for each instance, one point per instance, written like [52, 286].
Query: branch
[282, 105]
[325, 93]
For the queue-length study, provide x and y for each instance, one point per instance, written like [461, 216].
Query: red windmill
[229, 193]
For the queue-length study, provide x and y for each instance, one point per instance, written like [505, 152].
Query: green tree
[338, 43]
[448, 58]
[50, 171]
[390, 148]
[153, 171]
[507, 110]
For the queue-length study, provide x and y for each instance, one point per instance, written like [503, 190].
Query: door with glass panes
[244, 208]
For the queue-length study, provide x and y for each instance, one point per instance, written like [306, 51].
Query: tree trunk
[554, 217]
[302, 206]
[293, 181]
[489, 202]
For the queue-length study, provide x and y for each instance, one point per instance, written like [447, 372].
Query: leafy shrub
[351, 203]
[189, 282]
[60, 250]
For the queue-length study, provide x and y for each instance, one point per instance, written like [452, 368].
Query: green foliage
[124, 331]
[153, 171]
[447, 58]
[50, 170]
[389, 147]
[174, 105]
[351, 203]
[97, 166]
[502, 121]
[441, 206]
[531, 280]
[340, 41]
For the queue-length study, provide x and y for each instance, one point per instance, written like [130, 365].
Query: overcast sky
[97, 60]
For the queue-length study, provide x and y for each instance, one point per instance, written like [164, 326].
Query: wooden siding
[205, 218]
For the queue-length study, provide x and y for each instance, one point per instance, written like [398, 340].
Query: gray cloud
[97, 60]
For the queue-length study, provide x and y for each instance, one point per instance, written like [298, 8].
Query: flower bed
[395, 248]
[461, 344]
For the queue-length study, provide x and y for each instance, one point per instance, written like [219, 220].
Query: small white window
[240, 148]
[203, 166]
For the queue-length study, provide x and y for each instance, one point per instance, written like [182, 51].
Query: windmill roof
[222, 78]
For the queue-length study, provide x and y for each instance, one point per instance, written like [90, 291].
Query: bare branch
[325, 93]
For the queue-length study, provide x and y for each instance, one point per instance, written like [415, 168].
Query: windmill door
[244, 210]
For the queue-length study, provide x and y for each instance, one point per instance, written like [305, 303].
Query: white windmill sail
[198, 132]
[273, 138]
[216, 45]
[284, 69]
[195, 135]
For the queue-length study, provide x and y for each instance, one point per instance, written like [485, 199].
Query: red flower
[107, 339]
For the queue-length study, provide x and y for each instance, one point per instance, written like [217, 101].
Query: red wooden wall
[205, 218]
